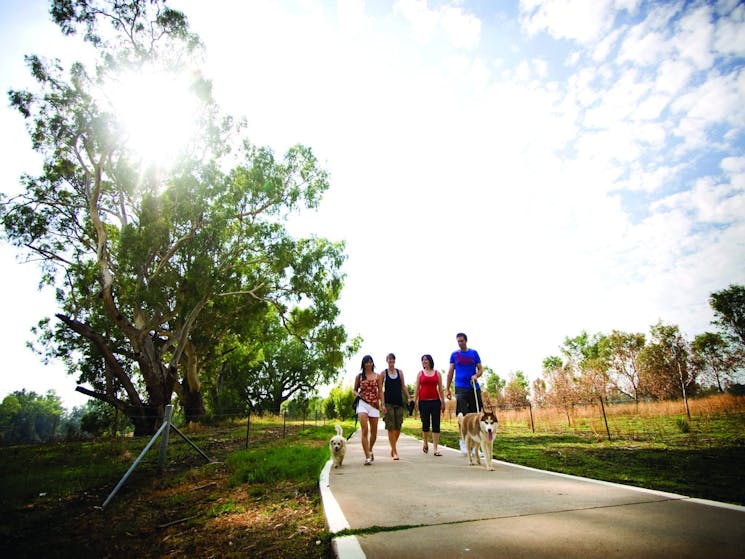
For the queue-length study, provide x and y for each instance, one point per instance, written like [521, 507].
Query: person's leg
[390, 426]
[471, 401]
[392, 439]
[398, 420]
[364, 430]
[436, 426]
[425, 414]
[461, 406]
[373, 435]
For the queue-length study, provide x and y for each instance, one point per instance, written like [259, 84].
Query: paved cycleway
[423, 506]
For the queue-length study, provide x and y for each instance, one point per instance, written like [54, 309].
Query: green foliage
[101, 419]
[683, 425]
[516, 390]
[299, 463]
[663, 364]
[729, 310]
[494, 383]
[338, 404]
[162, 271]
[27, 417]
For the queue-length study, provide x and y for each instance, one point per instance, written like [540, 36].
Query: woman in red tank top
[430, 400]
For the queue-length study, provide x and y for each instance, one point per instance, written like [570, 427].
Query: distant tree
[664, 367]
[517, 390]
[27, 417]
[715, 359]
[494, 384]
[729, 310]
[279, 364]
[338, 404]
[561, 385]
[100, 419]
[589, 365]
[539, 392]
[621, 350]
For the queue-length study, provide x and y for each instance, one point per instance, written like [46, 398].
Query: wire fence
[641, 421]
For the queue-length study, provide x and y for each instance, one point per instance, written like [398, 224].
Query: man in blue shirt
[466, 365]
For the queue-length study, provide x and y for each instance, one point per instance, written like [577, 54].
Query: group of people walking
[384, 394]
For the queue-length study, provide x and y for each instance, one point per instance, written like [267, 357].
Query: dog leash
[475, 396]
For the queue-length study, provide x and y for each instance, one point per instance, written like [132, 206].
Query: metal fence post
[164, 439]
[248, 425]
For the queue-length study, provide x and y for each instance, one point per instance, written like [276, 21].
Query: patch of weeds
[228, 507]
[268, 465]
[683, 425]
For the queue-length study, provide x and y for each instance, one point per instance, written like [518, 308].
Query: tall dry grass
[632, 421]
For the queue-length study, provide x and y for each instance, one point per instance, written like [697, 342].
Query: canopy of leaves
[155, 266]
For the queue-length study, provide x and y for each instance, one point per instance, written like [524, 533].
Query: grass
[253, 501]
[652, 445]
[263, 500]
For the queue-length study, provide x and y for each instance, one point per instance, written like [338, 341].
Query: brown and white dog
[478, 430]
[338, 447]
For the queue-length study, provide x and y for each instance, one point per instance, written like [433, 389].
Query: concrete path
[423, 506]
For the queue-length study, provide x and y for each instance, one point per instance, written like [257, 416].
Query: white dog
[338, 447]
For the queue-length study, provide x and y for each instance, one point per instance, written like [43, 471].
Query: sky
[520, 171]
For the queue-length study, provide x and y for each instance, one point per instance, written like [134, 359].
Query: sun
[157, 111]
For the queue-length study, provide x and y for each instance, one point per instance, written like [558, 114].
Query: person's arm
[441, 391]
[451, 370]
[403, 385]
[356, 385]
[479, 372]
[380, 393]
[416, 392]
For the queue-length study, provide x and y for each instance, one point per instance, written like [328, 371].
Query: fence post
[248, 425]
[532, 423]
[134, 465]
[605, 418]
[164, 439]
[284, 424]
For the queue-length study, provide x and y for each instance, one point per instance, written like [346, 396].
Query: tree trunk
[190, 392]
[145, 418]
[193, 403]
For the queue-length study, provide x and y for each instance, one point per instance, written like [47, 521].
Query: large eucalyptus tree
[157, 259]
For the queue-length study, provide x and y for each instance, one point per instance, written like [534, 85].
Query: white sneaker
[462, 447]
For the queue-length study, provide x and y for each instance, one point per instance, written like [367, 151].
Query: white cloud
[619, 102]
[643, 47]
[729, 38]
[693, 39]
[672, 76]
[716, 100]
[584, 21]
[351, 14]
[604, 47]
[708, 202]
[461, 29]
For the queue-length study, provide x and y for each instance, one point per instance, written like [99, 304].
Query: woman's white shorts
[364, 407]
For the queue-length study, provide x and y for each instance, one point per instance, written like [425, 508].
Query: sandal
[372, 457]
[368, 461]
[425, 448]
[437, 453]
